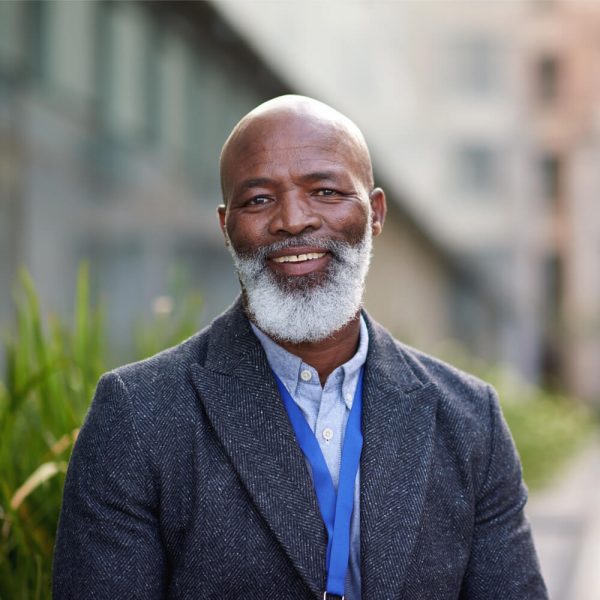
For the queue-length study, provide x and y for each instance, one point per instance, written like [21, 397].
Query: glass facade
[69, 50]
[476, 173]
[122, 111]
[473, 65]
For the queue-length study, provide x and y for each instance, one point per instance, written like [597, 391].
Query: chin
[300, 283]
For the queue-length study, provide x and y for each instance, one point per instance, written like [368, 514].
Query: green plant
[48, 379]
[49, 376]
[548, 428]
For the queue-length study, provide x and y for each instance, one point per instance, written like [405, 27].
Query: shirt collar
[288, 366]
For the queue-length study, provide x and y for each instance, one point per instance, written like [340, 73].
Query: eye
[258, 201]
[326, 192]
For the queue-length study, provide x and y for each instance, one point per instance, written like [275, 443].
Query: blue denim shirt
[326, 411]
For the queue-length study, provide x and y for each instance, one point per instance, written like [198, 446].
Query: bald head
[288, 122]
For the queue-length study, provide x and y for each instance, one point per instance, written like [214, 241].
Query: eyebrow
[321, 176]
[255, 182]
[309, 177]
[315, 176]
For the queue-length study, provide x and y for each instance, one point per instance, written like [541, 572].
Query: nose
[294, 215]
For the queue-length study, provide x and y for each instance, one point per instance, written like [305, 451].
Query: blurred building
[485, 115]
[562, 50]
[112, 115]
[483, 120]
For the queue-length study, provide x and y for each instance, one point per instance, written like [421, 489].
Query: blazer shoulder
[170, 366]
[449, 378]
[465, 401]
[466, 405]
[456, 385]
[166, 367]
[470, 419]
[460, 391]
[161, 384]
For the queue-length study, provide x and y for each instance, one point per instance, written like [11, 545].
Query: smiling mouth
[295, 258]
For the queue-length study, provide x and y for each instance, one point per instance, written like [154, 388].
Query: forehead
[280, 147]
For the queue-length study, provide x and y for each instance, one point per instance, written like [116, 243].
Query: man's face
[299, 217]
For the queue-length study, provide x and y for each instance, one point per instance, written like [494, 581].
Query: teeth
[299, 257]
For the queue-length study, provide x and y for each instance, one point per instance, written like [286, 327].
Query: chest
[220, 544]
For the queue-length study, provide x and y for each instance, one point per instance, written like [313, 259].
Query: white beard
[305, 308]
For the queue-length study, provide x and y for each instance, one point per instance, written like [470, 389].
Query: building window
[476, 170]
[70, 46]
[174, 70]
[547, 79]
[37, 25]
[209, 119]
[123, 47]
[553, 284]
[551, 350]
[11, 35]
[551, 177]
[473, 64]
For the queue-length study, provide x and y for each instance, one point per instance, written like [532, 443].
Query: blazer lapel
[240, 397]
[398, 426]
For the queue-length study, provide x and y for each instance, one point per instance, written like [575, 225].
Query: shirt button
[328, 434]
[306, 375]
[348, 397]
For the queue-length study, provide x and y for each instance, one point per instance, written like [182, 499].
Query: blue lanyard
[336, 509]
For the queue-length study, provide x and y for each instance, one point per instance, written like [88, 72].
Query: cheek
[245, 234]
[351, 224]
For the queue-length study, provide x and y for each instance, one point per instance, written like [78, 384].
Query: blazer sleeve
[503, 564]
[108, 542]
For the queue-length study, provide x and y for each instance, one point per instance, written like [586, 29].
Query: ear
[378, 208]
[221, 211]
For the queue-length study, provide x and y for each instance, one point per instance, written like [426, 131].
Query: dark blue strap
[336, 509]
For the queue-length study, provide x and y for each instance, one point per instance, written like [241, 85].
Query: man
[228, 466]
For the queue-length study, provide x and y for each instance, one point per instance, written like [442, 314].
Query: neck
[325, 356]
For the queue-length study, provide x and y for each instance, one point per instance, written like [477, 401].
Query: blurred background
[483, 119]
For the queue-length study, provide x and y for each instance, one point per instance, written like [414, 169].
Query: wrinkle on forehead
[290, 122]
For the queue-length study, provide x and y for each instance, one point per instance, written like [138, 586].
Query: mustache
[335, 247]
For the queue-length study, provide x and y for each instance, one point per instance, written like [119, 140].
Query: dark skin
[292, 167]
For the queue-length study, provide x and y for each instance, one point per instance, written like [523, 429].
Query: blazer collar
[239, 394]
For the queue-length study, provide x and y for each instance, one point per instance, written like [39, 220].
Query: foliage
[548, 427]
[48, 380]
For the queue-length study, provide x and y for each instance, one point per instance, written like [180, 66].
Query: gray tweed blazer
[186, 481]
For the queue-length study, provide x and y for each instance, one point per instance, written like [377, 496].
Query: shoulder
[164, 369]
[400, 361]
[470, 429]
[161, 384]
[171, 366]
[466, 406]
[455, 385]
